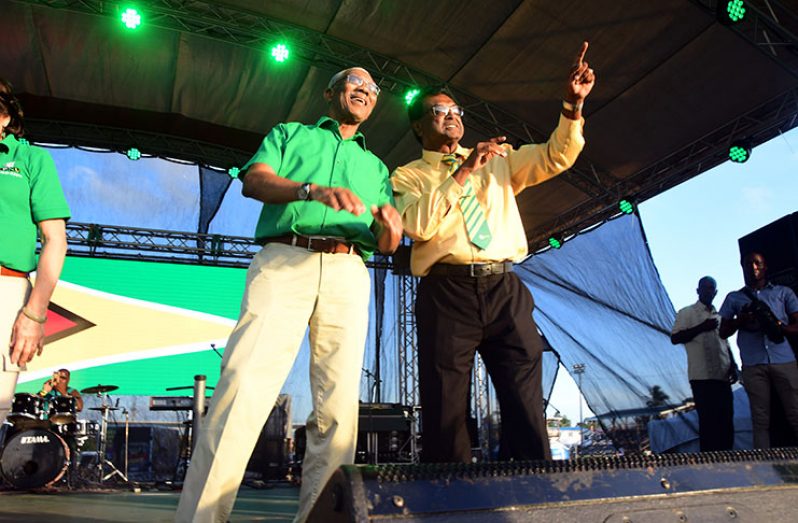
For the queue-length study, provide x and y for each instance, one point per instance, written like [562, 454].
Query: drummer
[58, 385]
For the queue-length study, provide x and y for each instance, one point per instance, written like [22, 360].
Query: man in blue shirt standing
[762, 313]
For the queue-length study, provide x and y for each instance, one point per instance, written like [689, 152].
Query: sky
[693, 228]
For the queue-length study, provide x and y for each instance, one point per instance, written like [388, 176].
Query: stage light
[411, 95]
[739, 151]
[133, 154]
[626, 206]
[233, 172]
[555, 243]
[280, 53]
[735, 10]
[730, 11]
[131, 18]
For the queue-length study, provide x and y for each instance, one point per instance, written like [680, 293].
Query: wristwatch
[303, 193]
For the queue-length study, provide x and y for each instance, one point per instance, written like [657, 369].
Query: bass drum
[34, 458]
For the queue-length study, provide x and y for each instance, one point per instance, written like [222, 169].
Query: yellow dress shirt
[427, 196]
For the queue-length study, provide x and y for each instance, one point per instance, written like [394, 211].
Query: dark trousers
[758, 381]
[457, 316]
[715, 406]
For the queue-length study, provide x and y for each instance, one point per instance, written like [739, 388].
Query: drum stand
[102, 462]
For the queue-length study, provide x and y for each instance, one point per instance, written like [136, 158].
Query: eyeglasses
[444, 110]
[359, 82]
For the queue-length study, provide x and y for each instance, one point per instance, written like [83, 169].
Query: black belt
[476, 270]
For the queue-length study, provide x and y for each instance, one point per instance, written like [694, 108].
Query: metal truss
[161, 145]
[131, 243]
[768, 26]
[406, 286]
[481, 402]
[758, 126]
[249, 29]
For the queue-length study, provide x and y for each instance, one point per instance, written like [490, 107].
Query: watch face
[303, 192]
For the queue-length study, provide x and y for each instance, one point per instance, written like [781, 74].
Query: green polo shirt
[318, 154]
[30, 192]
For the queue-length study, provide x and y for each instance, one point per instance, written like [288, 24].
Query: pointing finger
[581, 54]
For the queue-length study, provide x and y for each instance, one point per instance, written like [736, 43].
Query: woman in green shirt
[31, 198]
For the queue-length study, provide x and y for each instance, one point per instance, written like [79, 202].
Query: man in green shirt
[327, 207]
[30, 198]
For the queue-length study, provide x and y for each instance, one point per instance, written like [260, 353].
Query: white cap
[340, 74]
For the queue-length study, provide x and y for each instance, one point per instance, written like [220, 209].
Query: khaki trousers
[288, 290]
[13, 295]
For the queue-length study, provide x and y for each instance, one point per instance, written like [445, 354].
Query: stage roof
[674, 87]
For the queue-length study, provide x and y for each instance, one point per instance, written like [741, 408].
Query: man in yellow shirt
[459, 207]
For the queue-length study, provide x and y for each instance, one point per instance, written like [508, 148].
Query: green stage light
[739, 152]
[131, 18]
[555, 243]
[729, 12]
[411, 95]
[133, 154]
[626, 206]
[233, 172]
[280, 53]
[735, 10]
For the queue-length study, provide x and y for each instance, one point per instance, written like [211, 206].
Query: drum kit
[37, 449]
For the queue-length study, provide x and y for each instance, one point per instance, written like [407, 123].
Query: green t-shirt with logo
[30, 192]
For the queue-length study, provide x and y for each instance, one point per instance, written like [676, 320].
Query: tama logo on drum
[28, 440]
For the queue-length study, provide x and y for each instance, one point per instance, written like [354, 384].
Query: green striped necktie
[473, 215]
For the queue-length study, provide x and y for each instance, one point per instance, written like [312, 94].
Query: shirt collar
[704, 307]
[434, 157]
[9, 144]
[325, 122]
[768, 285]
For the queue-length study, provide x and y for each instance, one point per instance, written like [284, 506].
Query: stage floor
[267, 504]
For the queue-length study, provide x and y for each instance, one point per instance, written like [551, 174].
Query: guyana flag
[141, 326]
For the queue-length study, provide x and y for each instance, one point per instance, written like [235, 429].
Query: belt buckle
[317, 239]
[327, 249]
[477, 271]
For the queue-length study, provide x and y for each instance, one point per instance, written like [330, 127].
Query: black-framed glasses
[444, 110]
[357, 81]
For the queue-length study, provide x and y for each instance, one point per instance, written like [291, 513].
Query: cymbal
[103, 408]
[99, 389]
[186, 388]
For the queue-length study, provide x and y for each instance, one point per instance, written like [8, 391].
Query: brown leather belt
[475, 270]
[5, 271]
[315, 244]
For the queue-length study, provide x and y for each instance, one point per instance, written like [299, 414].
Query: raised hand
[480, 155]
[337, 198]
[581, 79]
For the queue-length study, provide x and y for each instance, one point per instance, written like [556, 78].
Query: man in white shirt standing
[710, 367]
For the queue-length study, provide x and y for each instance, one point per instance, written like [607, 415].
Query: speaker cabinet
[778, 243]
[271, 456]
[153, 452]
